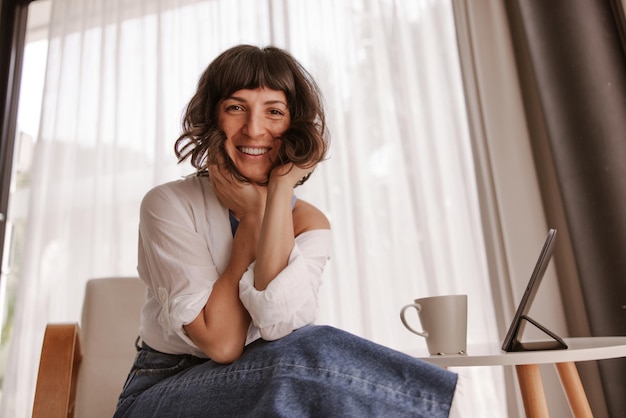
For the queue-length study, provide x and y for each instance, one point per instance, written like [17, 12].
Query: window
[398, 186]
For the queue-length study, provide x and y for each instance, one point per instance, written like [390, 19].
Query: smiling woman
[396, 183]
[235, 312]
[266, 97]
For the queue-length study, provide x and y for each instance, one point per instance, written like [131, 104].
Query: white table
[527, 367]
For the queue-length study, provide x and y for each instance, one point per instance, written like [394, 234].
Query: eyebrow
[242, 100]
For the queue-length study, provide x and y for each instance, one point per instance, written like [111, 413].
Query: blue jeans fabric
[316, 371]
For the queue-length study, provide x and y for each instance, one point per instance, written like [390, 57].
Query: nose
[255, 125]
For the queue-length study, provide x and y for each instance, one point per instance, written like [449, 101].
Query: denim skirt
[316, 371]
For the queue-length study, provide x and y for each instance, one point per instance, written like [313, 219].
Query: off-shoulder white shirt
[185, 240]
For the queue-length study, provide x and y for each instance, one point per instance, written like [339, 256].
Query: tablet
[512, 340]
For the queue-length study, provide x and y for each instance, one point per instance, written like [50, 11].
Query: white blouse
[185, 240]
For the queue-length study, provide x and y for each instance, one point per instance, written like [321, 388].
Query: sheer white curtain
[398, 187]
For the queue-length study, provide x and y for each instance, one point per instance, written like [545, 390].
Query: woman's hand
[276, 240]
[221, 328]
[241, 198]
[290, 173]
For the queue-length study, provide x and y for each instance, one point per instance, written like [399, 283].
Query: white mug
[444, 323]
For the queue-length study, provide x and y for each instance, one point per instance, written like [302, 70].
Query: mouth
[254, 151]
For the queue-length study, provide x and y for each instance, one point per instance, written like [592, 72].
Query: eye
[276, 112]
[234, 108]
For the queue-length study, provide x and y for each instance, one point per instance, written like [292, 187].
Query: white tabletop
[579, 349]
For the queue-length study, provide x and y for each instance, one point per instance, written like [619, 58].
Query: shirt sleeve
[290, 300]
[174, 260]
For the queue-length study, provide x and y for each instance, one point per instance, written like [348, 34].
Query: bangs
[253, 68]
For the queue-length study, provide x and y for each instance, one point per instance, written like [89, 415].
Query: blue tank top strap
[234, 222]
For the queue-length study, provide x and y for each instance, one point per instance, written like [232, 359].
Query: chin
[261, 181]
[256, 178]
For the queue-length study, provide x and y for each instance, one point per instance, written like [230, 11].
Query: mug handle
[418, 308]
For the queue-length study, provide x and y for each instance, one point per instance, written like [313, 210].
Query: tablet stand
[557, 342]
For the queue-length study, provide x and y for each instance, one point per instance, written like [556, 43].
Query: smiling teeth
[253, 151]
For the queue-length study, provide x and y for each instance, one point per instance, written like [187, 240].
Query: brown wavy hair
[304, 143]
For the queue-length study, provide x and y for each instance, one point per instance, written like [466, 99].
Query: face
[253, 121]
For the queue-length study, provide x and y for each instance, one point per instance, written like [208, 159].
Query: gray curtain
[573, 72]
[13, 14]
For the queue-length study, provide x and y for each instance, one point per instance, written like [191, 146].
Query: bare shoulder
[307, 217]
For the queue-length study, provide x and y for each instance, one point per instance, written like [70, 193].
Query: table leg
[573, 388]
[531, 387]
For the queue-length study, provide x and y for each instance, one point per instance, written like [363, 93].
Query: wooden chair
[83, 368]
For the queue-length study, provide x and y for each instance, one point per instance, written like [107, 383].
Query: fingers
[292, 169]
[291, 173]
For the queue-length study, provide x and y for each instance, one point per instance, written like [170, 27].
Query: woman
[233, 262]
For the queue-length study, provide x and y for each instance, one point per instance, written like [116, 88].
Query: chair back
[109, 328]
